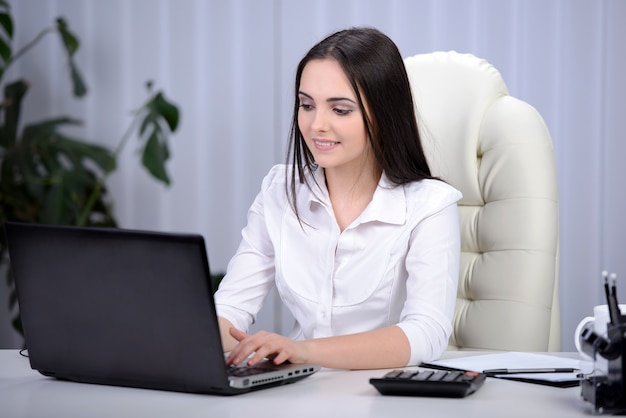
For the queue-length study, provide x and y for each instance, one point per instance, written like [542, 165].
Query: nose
[319, 123]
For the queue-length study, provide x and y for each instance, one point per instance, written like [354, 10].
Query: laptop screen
[117, 306]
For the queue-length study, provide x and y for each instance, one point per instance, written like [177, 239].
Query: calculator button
[422, 375]
[469, 376]
[438, 375]
[452, 376]
[393, 374]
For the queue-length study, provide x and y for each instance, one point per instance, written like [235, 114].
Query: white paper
[516, 360]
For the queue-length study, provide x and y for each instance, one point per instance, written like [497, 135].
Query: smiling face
[330, 118]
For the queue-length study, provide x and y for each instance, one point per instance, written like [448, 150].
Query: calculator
[438, 383]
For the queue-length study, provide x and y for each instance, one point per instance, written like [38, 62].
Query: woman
[360, 240]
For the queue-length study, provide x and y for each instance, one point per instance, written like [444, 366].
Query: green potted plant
[47, 176]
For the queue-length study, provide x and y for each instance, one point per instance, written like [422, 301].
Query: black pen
[493, 372]
[609, 300]
[614, 311]
[607, 290]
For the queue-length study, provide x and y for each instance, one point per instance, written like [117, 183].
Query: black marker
[614, 311]
[607, 292]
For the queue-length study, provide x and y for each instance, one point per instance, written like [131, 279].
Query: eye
[306, 107]
[342, 112]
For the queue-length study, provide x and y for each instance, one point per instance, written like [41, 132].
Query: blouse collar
[388, 204]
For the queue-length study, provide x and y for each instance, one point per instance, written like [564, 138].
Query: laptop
[126, 308]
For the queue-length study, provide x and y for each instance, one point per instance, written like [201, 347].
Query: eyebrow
[330, 99]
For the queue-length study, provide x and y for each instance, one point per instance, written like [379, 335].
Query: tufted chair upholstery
[497, 151]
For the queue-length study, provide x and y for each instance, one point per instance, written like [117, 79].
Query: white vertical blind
[229, 65]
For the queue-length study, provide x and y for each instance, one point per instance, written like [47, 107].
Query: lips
[323, 144]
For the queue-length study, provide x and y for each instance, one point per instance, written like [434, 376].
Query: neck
[350, 192]
[344, 183]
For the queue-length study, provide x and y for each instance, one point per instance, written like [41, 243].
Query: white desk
[327, 394]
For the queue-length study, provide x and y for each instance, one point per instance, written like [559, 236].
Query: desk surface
[328, 393]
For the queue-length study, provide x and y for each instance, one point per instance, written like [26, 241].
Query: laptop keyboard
[248, 371]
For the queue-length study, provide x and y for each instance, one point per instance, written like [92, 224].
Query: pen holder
[605, 386]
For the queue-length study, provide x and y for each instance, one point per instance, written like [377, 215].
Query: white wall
[229, 65]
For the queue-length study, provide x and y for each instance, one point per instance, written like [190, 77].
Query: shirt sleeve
[432, 264]
[250, 273]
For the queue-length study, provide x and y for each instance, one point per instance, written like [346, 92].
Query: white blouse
[397, 263]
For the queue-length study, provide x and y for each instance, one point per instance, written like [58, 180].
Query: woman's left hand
[265, 345]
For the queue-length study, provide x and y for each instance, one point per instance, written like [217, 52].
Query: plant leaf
[13, 95]
[155, 154]
[99, 155]
[5, 48]
[21, 183]
[70, 42]
[147, 122]
[166, 110]
[79, 86]
[47, 127]
[7, 23]
[5, 54]
[53, 204]
[160, 117]
[51, 177]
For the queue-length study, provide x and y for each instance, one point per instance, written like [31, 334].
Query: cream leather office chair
[497, 151]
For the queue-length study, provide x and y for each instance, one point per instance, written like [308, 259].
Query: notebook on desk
[543, 369]
[127, 308]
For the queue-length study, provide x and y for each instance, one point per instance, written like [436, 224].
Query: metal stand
[605, 387]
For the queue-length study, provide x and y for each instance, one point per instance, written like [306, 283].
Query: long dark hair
[374, 66]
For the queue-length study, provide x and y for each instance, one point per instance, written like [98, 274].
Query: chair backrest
[497, 151]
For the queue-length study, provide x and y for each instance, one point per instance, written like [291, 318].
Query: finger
[237, 334]
[260, 354]
[234, 355]
[247, 346]
[256, 348]
[281, 357]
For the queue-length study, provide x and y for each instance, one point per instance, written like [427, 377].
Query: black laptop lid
[117, 306]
